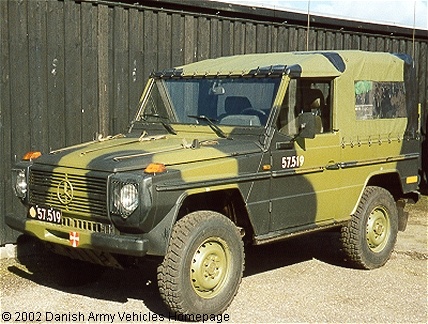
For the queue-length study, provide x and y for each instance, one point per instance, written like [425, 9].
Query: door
[305, 179]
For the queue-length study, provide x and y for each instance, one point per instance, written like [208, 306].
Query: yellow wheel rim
[210, 267]
[378, 229]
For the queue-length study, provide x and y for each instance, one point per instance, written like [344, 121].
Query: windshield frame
[159, 84]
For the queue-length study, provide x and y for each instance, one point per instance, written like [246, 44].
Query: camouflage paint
[280, 202]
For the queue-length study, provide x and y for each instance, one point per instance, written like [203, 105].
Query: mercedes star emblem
[65, 192]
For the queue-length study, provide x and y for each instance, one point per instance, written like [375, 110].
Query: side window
[379, 100]
[306, 95]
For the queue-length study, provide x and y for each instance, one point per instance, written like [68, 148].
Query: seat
[313, 101]
[234, 105]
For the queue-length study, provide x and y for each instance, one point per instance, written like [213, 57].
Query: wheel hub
[211, 265]
[378, 229]
[209, 268]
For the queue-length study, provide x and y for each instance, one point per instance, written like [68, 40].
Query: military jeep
[238, 150]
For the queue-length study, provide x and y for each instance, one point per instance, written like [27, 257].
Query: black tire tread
[351, 235]
[168, 272]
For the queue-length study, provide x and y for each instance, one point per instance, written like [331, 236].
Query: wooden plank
[19, 82]
[177, 40]
[164, 40]
[261, 39]
[89, 109]
[292, 37]
[215, 38]
[320, 39]
[189, 39]
[283, 39]
[19, 104]
[73, 73]
[402, 46]
[409, 47]
[55, 80]
[137, 78]
[329, 42]
[6, 234]
[227, 38]
[380, 44]
[150, 46]
[203, 38]
[120, 107]
[388, 45]
[238, 37]
[103, 69]
[347, 41]
[364, 44]
[395, 45]
[423, 95]
[339, 41]
[250, 38]
[301, 39]
[37, 76]
[311, 44]
[273, 38]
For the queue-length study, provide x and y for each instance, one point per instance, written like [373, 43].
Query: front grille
[85, 225]
[88, 192]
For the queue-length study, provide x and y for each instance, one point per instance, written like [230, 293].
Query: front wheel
[203, 267]
[369, 237]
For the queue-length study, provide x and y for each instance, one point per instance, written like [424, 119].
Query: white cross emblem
[74, 239]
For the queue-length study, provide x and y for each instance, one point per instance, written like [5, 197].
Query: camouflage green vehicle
[237, 150]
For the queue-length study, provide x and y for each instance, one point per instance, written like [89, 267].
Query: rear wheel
[203, 267]
[369, 237]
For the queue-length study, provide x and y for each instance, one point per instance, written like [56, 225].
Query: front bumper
[57, 234]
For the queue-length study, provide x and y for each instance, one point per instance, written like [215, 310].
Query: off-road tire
[203, 267]
[369, 238]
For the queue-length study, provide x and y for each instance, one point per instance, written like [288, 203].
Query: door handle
[332, 166]
[284, 145]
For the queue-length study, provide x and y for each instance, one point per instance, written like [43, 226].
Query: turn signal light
[32, 155]
[266, 167]
[155, 168]
[412, 179]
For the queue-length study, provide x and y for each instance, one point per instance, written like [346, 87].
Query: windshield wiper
[162, 120]
[210, 123]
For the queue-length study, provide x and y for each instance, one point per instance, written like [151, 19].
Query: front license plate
[46, 214]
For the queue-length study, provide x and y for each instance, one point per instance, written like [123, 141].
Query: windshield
[224, 101]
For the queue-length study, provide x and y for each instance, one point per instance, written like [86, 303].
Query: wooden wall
[71, 69]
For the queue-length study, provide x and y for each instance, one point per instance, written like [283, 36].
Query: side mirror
[308, 125]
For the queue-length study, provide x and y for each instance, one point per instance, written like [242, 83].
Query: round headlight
[21, 183]
[128, 199]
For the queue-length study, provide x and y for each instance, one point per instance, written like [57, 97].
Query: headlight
[125, 198]
[20, 183]
[129, 198]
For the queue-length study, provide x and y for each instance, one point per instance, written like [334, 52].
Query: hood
[121, 153]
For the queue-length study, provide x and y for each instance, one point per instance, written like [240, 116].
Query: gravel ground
[300, 280]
